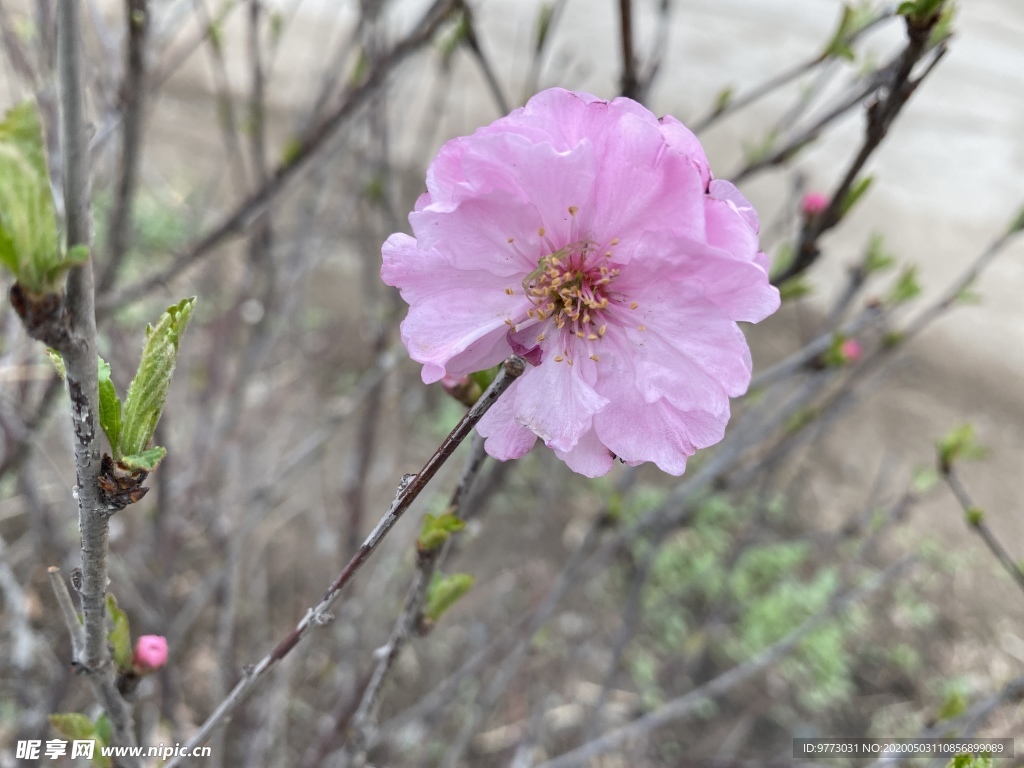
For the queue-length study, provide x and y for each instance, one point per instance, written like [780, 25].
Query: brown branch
[132, 97]
[408, 491]
[629, 81]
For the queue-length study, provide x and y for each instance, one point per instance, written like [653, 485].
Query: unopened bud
[813, 204]
[150, 654]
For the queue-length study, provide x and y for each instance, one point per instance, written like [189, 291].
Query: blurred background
[278, 145]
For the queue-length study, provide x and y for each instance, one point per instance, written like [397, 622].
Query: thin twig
[473, 41]
[977, 522]
[365, 717]
[687, 704]
[407, 493]
[132, 97]
[629, 82]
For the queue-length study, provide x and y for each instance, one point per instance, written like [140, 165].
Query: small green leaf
[959, 444]
[756, 153]
[73, 725]
[967, 296]
[892, 339]
[436, 531]
[444, 592]
[795, 288]
[924, 480]
[148, 390]
[855, 193]
[839, 45]
[800, 419]
[1017, 225]
[147, 460]
[29, 246]
[104, 732]
[723, 99]
[110, 409]
[120, 636]
[876, 258]
[457, 33]
[920, 11]
[544, 16]
[974, 516]
[58, 362]
[291, 151]
[484, 379]
[943, 29]
[906, 286]
[782, 259]
[360, 70]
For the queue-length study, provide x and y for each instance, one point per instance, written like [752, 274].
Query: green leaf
[756, 153]
[1017, 225]
[484, 379]
[855, 193]
[943, 28]
[906, 286]
[876, 258]
[29, 246]
[147, 460]
[436, 531]
[919, 11]
[148, 390]
[291, 151]
[723, 99]
[444, 592]
[795, 288]
[839, 46]
[73, 725]
[58, 362]
[104, 731]
[454, 35]
[544, 16]
[110, 409]
[959, 444]
[974, 516]
[924, 480]
[120, 636]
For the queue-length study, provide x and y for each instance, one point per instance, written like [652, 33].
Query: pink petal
[589, 457]
[505, 439]
[555, 403]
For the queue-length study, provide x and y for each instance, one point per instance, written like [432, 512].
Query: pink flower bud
[851, 350]
[813, 204]
[150, 654]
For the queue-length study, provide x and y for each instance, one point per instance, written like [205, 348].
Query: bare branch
[408, 491]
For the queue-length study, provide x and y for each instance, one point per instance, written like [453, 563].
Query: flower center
[570, 286]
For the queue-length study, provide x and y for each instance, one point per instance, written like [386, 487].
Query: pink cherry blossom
[851, 350]
[813, 203]
[150, 654]
[590, 238]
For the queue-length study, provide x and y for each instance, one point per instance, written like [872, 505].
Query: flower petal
[554, 402]
[589, 457]
[450, 311]
[505, 439]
